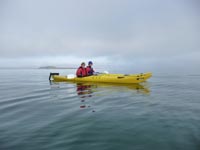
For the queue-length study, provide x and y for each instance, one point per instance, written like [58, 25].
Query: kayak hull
[106, 78]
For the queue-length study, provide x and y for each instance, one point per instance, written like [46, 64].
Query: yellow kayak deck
[107, 78]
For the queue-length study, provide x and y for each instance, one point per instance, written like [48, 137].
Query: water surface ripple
[162, 113]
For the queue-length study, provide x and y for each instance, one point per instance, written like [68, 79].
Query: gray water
[161, 114]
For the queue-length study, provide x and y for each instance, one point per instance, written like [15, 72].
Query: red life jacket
[90, 70]
[81, 72]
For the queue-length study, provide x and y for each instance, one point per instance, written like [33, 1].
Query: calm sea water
[161, 114]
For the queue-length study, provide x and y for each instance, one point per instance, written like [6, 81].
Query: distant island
[54, 67]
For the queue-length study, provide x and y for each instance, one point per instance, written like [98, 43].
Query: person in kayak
[81, 71]
[89, 69]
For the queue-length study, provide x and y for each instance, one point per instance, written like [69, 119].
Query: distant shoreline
[38, 68]
[53, 67]
[57, 68]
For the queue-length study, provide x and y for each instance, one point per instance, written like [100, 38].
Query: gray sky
[142, 34]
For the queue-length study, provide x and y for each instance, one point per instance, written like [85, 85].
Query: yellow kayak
[105, 78]
[146, 75]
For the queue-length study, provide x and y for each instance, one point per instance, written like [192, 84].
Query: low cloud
[116, 32]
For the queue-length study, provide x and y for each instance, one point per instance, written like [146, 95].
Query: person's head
[90, 63]
[83, 64]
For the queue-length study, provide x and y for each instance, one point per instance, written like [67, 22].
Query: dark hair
[90, 62]
[82, 63]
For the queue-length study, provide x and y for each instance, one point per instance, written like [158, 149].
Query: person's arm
[79, 73]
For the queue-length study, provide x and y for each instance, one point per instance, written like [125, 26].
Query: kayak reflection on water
[84, 90]
[87, 89]
[88, 92]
